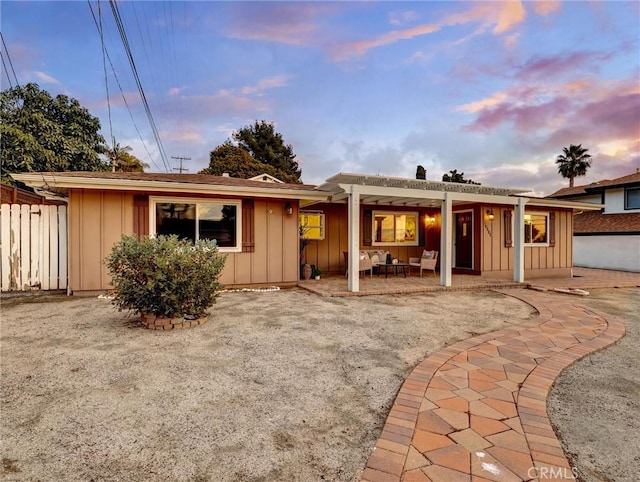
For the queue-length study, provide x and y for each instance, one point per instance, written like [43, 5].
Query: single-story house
[608, 238]
[476, 229]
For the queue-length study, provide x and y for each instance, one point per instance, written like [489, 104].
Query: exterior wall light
[288, 208]
[490, 215]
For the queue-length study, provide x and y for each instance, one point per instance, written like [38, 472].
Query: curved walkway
[476, 410]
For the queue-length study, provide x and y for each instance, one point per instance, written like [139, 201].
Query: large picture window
[536, 229]
[632, 198]
[212, 219]
[312, 224]
[395, 228]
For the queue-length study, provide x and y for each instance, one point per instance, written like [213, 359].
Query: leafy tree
[238, 163]
[455, 176]
[122, 160]
[421, 172]
[44, 133]
[574, 161]
[263, 150]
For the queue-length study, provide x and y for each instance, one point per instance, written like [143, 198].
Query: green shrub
[165, 275]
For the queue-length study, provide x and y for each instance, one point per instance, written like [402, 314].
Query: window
[535, 229]
[213, 219]
[391, 228]
[632, 198]
[312, 224]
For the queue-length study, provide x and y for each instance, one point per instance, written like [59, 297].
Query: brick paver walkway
[476, 411]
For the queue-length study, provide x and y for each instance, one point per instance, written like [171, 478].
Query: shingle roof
[181, 178]
[592, 222]
[597, 186]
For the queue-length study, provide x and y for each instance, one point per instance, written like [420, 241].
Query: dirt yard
[276, 386]
[595, 403]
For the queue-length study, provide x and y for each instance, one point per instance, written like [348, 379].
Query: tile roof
[592, 222]
[597, 186]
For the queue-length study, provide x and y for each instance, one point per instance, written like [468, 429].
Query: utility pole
[180, 169]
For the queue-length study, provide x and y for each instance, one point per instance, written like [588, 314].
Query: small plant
[318, 272]
[165, 276]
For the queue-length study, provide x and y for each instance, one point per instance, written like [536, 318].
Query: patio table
[395, 267]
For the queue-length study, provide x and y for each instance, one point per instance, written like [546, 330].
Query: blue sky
[493, 89]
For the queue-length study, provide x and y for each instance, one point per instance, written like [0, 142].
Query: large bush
[165, 275]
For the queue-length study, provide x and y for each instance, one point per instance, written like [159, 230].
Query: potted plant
[169, 282]
[318, 273]
[305, 268]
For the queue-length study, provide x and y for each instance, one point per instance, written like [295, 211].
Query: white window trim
[323, 227]
[537, 245]
[384, 243]
[153, 200]
[626, 203]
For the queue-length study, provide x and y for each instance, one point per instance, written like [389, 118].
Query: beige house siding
[497, 259]
[98, 219]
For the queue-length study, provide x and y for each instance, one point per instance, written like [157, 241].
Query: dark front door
[464, 240]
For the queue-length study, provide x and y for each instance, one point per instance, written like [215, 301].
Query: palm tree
[122, 161]
[574, 161]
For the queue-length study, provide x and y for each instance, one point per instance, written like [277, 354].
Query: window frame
[154, 200]
[322, 227]
[626, 198]
[415, 242]
[546, 224]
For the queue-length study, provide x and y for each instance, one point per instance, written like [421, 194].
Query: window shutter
[552, 229]
[422, 241]
[141, 215]
[367, 225]
[248, 226]
[508, 232]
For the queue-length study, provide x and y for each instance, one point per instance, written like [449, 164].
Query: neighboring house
[481, 230]
[609, 238]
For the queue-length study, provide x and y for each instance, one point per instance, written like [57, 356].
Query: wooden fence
[33, 247]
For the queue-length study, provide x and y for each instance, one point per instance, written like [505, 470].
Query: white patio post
[518, 241]
[354, 239]
[446, 241]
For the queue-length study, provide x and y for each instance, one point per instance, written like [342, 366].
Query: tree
[237, 162]
[574, 161]
[43, 133]
[455, 176]
[266, 151]
[421, 172]
[122, 161]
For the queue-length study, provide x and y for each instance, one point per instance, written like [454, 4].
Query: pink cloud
[545, 7]
[553, 66]
[511, 14]
[265, 84]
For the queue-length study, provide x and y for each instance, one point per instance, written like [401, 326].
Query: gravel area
[594, 404]
[280, 385]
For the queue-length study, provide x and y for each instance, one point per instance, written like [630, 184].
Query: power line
[124, 98]
[10, 62]
[106, 80]
[4, 67]
[125, 42]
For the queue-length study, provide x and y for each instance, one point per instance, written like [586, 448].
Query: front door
[464, 240]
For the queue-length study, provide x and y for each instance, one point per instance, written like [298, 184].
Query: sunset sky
[493, 89]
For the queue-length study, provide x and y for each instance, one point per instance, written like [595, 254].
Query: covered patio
[359, 190]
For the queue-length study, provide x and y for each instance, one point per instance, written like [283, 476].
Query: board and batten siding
[99, 218]
[497, 256]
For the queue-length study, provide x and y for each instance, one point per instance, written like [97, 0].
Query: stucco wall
[608, 252]
[614, 199]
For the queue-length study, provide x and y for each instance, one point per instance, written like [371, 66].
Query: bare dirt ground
[595, 404]
[276, 386]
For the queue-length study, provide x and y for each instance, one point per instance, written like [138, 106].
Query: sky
[492, 89]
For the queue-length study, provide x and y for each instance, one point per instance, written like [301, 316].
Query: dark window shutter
[248, 226]
[141, 215]
[508, 232]
[552, 229]
[421, 229]
[367, 224]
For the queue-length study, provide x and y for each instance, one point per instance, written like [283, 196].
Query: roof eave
[60, 181]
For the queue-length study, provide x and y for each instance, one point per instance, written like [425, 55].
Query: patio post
[518, 241]
[354, 239]
[446, 240]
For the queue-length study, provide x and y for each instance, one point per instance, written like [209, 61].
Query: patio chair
[365, 264]
[424, 262]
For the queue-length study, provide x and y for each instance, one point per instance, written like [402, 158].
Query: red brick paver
[476, 410]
